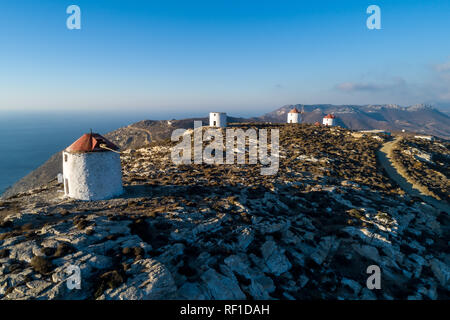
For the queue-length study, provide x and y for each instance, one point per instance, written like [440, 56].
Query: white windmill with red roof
[92, 169]
[329, 120]
[294, 116]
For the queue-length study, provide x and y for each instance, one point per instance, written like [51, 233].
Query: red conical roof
[294, 111]
[329, 116]
[90, 142]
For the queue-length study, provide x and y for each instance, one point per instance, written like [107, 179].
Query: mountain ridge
[421, 118]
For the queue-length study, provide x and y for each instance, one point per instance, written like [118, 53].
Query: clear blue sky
[240, 56]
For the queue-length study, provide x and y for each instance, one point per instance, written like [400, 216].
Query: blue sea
[28, 139]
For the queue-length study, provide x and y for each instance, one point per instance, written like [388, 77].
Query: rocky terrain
[426, 163]
[137, 135]
[227, 232]
[420, 118]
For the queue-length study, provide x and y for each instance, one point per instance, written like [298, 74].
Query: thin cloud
[370, 87]
[443, 71]
[353, 86]
[434, 88]
[443, 67]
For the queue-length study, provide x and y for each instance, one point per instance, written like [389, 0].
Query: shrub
[63, 249]
[41, 265]
[4, 253]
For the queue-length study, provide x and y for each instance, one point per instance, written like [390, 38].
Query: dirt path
[148, 137]
[386, 160]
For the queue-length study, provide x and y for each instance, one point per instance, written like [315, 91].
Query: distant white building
[294, 116]
[375, 131]
[218, 119]
[92, 169]
[329, 120]
[430, 138]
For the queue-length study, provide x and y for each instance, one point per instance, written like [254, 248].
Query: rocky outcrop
[148, 280]
[226, 232]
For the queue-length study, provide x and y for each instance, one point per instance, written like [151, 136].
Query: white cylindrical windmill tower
[92, 169]
[329, 120]
[218, 119]
[294, 116]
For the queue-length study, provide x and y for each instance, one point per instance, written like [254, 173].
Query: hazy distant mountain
[441, 106]
[147, 131]
[418, 118]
